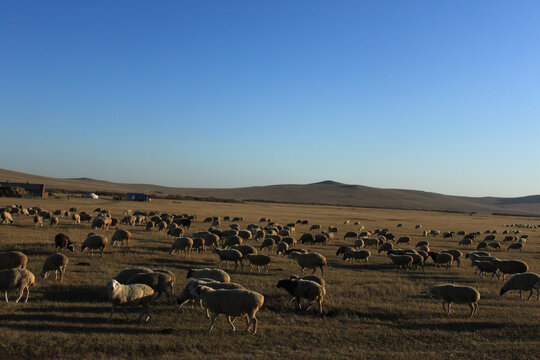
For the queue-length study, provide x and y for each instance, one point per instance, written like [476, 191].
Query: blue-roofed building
[137, 197]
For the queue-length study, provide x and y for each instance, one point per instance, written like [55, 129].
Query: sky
[439, 96]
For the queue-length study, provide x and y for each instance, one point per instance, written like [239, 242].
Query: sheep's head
[537, 286]
[112, 285]
[504, 289]
[71, 247]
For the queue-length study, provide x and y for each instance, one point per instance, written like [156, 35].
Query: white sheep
[130, 295]
[523, 282]
[20, 279]
[232, 303]
[309, 261]
[160, 282]
[182, 244]
[120, 236]
[94, 242]
[451, 293]
[215, 274]
[304, 289]
[189, 290]
[57, 263]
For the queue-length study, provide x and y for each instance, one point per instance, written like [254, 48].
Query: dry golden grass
[371, 311]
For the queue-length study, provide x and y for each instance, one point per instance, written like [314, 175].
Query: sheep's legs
[125, 313]
[230, 322]
[214, 317]
[145, 311]
[21, 291]
[112, 311]
[5, 295]
[530, 294]
[449, 309]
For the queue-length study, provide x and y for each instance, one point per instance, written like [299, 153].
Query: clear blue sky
[439, 96]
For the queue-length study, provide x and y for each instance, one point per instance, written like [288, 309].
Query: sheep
[120, 235]
[350, 234]
[510, 266]
[93, 242]
[387, 246]
[526, 281]
[451, 293]
[182, 244]
[281, 248]
[357, 255]
[123, 276]
[317, 279]
[307, 238]
[57, 263]
[358, 243]
[422, 243]
[6, 218]
[485, 267]
[304, 289]
[232, 240]
[309, 261]
[402, 261]
[403, 239]
[214, 274]
[13, 259]
[16, 278]
[160, 282]
[130, 295]
[245, 249]
[198, 244]
[229, 255]
[465, 242]
[288, 240]
[54, 220]
[38, 220]
[456, 254]
[61, 241]
[371, 242]
[474, 254]
[343, 249]
[188, 293]
[232, 303]
[258, 260]
[516, 246]
[267, 243]
[441, 259]
[150, 226]
[211, 239]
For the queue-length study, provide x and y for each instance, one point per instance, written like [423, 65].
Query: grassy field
[371, 310]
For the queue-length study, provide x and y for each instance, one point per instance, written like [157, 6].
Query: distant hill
[325, 192]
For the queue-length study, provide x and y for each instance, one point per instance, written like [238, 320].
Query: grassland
[371, 311]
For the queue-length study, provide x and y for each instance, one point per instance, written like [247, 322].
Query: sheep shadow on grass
[456, 326]
[136, 329]
[75, 293]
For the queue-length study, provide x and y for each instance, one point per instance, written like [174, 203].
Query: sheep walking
[229, 255]
[20, 279]
[258, 260]
[160, 282]
[451, 293]
[130, 295]
[511, 266]
[304, 289]
[189, 291]
[214, 274]
[232, 303]
[309, 261]
[523, 282]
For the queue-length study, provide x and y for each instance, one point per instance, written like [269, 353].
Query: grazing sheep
[451, 293]
[57, 263]
[12, 259]
[387, 246]
[288, 240]
[198, 244]
[16, 278]
[515, 246]
[6, 217]
[510, 266]
[182, 244]
[441, 259]
[61, 241]
[465, 242]
[343, 249]
[38, 220]
[258, 260]
[160, 282]
[485, 267]
[130, 295]
[456, 254]
[304, 289]
[523, 282]
[358, 243]
[189, 290]
[357, 255]
[214, 274]
[232, 240]
[402, 261]
[317, 279]
[267, 243]
[309, 261]
[403, 239]
[229, 255]
[123, 276]
[474, 254]
[350, 234]
[281, 248]
[245, 249]
[119, 236]
[175, 232]
[150, 226]
[94, 242]
[307, 238]
[422, 243]
[54, 220]
[495, 245]
[232, 303]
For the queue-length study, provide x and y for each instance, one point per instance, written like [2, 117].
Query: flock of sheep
[213, 289]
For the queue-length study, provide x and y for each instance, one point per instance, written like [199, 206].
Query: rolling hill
[325, 192]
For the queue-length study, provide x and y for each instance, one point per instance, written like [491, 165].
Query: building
[22, 189]
[137, 197]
